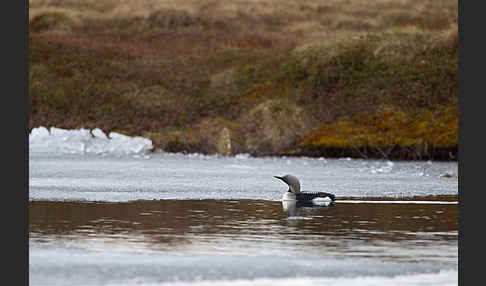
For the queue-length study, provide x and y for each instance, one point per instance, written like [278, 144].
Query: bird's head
[292, 182]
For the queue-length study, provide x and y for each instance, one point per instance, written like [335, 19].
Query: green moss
[388, 128]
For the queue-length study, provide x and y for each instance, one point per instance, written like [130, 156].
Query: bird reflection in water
[298, 208]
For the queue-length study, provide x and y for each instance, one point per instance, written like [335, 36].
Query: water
[157, 219]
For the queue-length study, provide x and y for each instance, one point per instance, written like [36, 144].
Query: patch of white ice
[85, 141]
[387, 168]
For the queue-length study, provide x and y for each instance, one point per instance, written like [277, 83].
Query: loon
[294, 193]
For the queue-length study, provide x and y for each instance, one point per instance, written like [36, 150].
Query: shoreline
[417, 152]
[449, 154]
[392, 153]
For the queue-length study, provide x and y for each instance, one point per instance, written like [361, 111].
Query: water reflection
[295, 208]
[254, 225]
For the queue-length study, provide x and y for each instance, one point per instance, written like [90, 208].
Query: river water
[160, 218]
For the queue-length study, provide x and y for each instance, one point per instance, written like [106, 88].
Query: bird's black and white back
[294, 193]
[315, 195]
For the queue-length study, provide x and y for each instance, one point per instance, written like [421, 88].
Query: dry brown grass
[201, 27]
[306, 20]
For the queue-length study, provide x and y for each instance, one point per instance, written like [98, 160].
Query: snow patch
[85, 141]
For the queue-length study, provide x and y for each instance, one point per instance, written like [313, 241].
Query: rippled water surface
[205, 220]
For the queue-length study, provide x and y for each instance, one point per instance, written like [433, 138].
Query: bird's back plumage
[306, 196]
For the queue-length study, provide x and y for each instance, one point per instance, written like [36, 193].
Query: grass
[277, 76]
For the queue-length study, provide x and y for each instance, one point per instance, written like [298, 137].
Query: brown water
[207, 220]
[383, 239]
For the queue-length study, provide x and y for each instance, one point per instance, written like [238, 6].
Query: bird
[294, 193]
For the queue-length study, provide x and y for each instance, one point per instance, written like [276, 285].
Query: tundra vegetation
[328, 78]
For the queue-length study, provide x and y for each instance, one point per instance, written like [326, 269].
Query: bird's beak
[278, 177]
